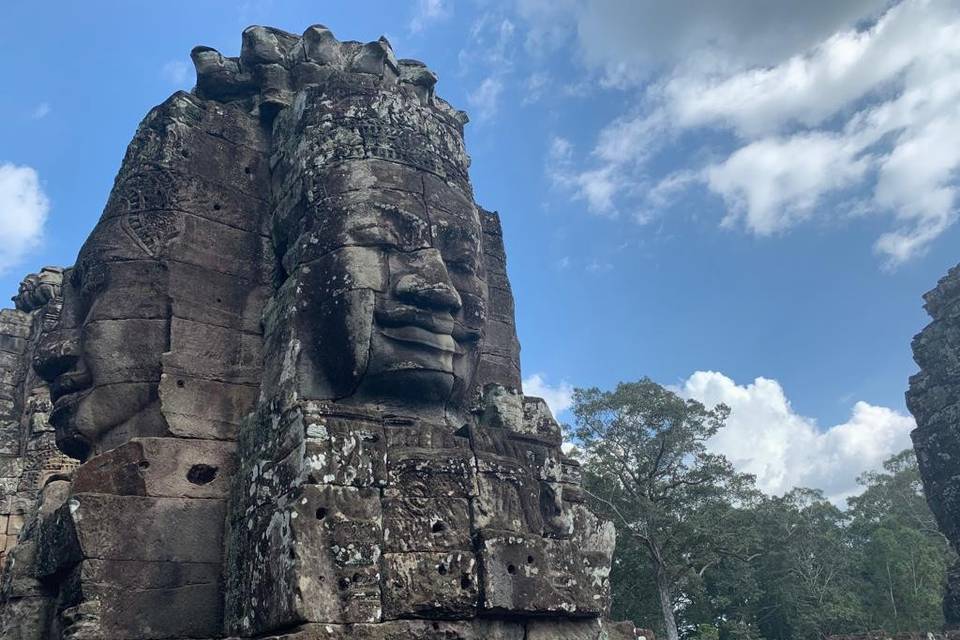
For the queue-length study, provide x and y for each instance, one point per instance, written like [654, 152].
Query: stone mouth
[408, 316]
[419, 336]
[69, 384]
[65, 403]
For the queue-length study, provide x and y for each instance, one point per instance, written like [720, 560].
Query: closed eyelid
[372, 232]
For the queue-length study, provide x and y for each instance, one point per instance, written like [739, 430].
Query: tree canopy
[702, 554]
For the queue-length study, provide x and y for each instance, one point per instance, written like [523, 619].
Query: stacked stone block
[287, 364]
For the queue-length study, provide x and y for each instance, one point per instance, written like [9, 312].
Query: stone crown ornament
[287, 366]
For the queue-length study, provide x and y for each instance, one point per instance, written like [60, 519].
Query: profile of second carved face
[103, 359]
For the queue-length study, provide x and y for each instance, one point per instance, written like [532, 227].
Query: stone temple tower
[934, 400]
[286, 365]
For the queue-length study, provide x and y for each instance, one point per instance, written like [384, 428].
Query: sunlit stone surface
[286, 362]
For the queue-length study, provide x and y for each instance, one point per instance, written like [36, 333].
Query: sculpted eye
[463, 266]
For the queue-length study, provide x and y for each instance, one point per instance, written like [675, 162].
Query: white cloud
[597, 187]
[42, 110]
[428, 13]
[820, 107]
[766, 437]
[489, 55]
[485, 99]
[558, 397]
[23, 211]
[774, 183]
[816, 83]
[535, 86]
[177, 73]
[630, 38]
[549, 22]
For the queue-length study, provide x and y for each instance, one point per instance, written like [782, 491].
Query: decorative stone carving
[287, 361]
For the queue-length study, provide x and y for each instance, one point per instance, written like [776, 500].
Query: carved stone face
[391, 298]
[103, 361]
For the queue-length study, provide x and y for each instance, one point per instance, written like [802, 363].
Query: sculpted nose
[57, 353]
[428, 285]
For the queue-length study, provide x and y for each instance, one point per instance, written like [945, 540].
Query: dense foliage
[700, 550]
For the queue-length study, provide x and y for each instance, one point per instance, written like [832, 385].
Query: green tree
[902, 557]
[649, 470]
[806, 575]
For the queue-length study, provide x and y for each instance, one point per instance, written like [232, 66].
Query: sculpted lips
[417, 326]
[69, 383]
[67, 389]
[417, 335]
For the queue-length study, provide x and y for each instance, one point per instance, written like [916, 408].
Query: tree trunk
[666, 604]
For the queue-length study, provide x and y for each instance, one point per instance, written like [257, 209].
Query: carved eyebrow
[459, 239]
[391, 224]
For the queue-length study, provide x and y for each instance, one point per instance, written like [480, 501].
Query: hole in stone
[356, 578]
[436, 626]
[321, 513]
[291, 554]
[344, 583]
[185, 153]
[219, 299]
[442, 569]
[511, 569]
[246, 170]
[465, 581]
[201, 474]
[438, 527]
[529, 559]
[216, 206]
[181, 383]
[143, 464]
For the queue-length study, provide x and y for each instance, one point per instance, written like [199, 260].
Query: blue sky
[739, 198]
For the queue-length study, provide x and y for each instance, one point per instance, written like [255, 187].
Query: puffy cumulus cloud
[852, 103]
[815, 83]
[772, 184]
[559, 397]
[630, 37]
[23, 211]
[766, 437]
[429, 12]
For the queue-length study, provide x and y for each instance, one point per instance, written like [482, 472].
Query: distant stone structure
[934, 400]
[287, 363]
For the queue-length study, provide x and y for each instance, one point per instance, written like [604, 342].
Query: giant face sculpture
[381, 249]
[103, 361]
[159, 334]
[290, 286]
[390, 296]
